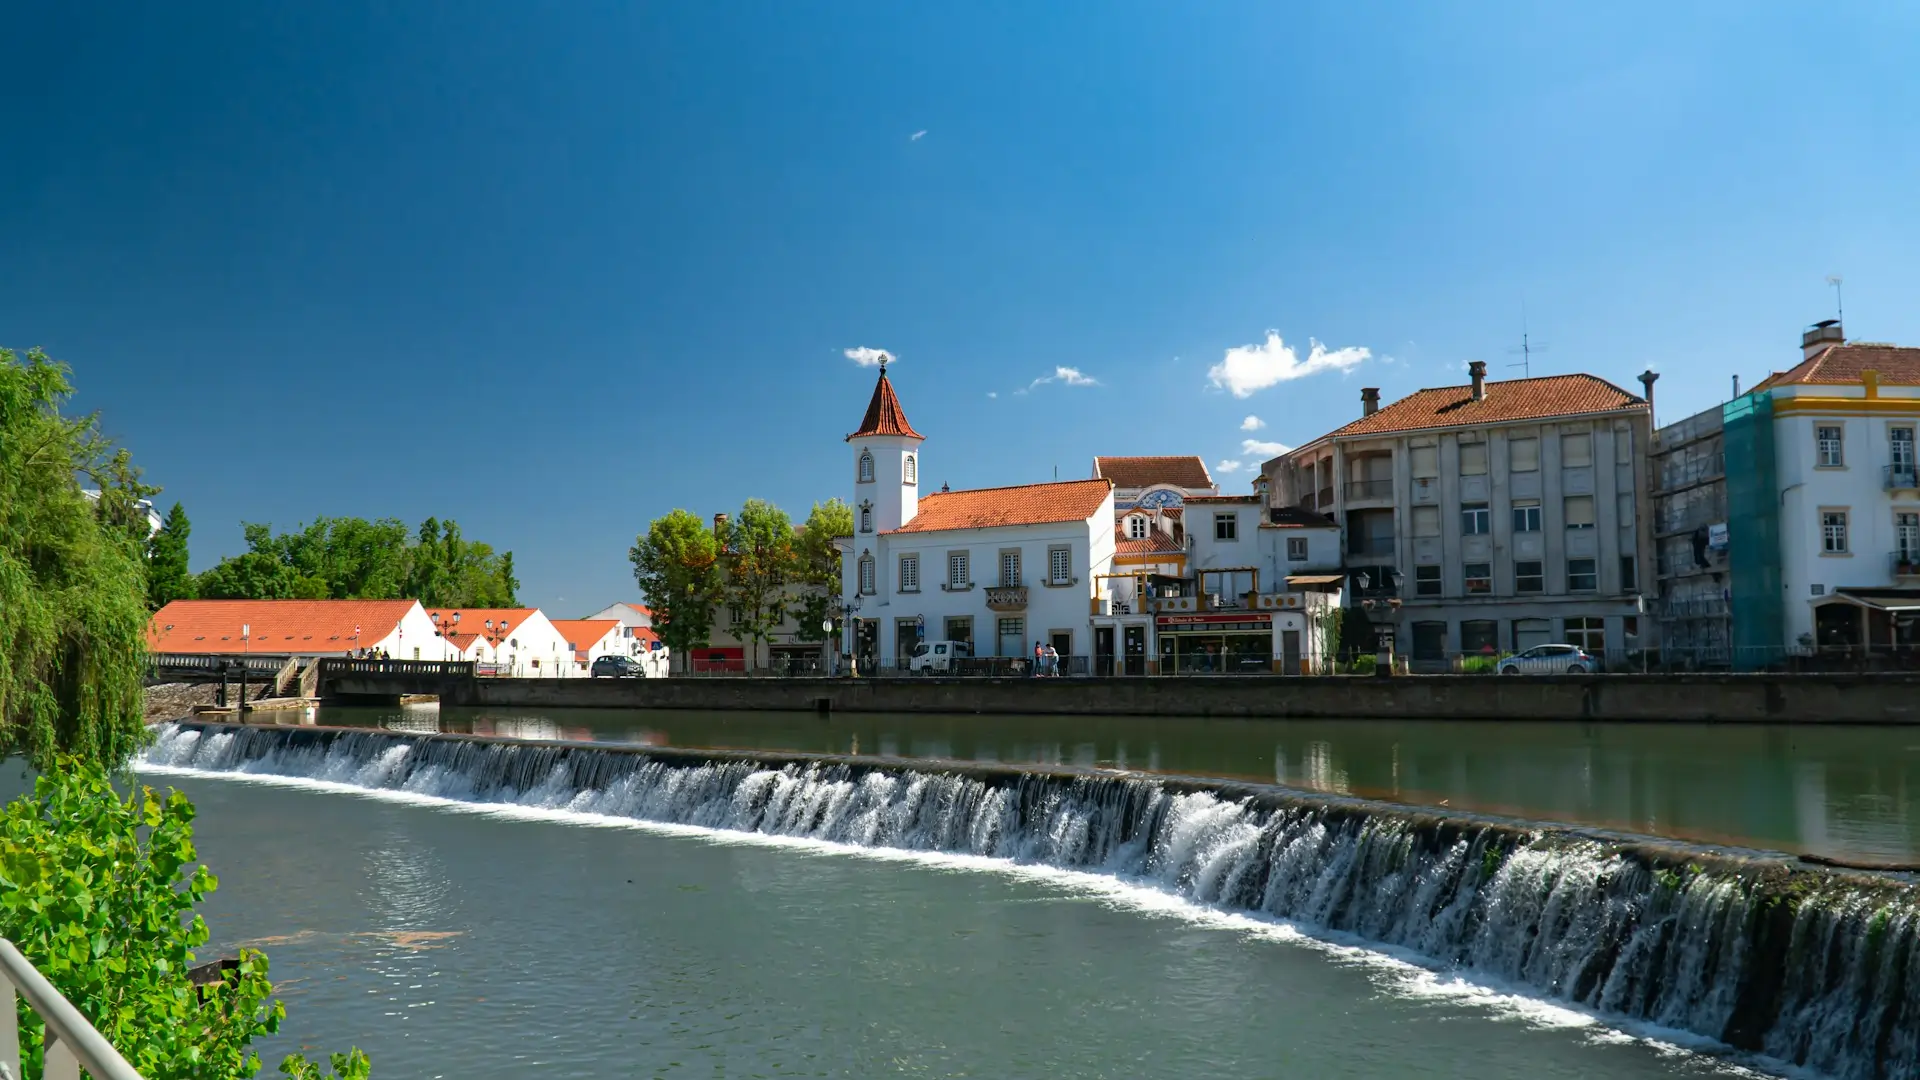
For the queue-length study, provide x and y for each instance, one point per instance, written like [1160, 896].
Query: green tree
[1357, 637]
[676, 564]
[73, 590]
[817, 566]
[168, 578]
[355, 559]
[758, 564]
[100, 894]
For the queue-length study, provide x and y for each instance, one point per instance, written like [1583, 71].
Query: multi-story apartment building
[1825, 505]
[1499, 515]
[1688, 463]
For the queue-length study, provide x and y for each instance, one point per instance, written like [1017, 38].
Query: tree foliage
[98, 892]
[818, 566]
[351, 558]
[757, 562]
[761, 568]
[168, 578]
[73, 589]
[676, 563]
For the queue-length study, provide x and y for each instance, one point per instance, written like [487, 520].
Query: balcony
[1006, 598]
[1905, 564]
[1360, 490]
[1324, 499]
[1901, 478]
[1370, 547]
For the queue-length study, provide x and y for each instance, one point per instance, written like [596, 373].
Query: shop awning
[1315, 579]
[1895, 601]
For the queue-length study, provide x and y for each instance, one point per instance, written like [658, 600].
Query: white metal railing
[71, 1043]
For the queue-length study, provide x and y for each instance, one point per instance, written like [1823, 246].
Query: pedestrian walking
[1053, 662]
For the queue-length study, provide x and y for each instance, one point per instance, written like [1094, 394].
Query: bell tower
[886, 465]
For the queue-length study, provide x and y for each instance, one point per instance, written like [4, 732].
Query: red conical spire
[884, 415]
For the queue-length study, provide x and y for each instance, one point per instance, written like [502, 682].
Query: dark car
[618, 667]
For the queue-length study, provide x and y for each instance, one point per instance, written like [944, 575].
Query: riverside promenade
[1772, 699]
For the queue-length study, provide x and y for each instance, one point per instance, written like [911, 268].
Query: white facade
[530, 648]
[626, 614]
[1006, 575]
[1000, 588]
[1849, 496]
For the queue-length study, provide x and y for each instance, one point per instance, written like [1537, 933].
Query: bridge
[370, 681]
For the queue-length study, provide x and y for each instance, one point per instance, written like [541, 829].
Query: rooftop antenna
[1527, 348]
[1839, 308]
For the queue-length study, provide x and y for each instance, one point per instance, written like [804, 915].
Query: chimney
[1369, 401]
[719, 524]
[1647, 379]
[1820, 337]
[1478, 370]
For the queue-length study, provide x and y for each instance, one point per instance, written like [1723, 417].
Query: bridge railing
[71, 1044]
[267, 666]
[334, 667]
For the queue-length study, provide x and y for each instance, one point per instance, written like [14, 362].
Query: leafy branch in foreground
[99, 893]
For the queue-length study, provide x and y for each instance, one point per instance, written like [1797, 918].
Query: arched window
[866, 467]
[866, 519]
[1137, 527]
[866, 575]
[912, 470]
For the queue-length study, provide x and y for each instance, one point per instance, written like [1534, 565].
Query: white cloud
[1248, 368]
[1256, 448]
[1227, 467]
[1069, 375]
[866, 357]
[1252, 423]
[993, 393]
[917, 136]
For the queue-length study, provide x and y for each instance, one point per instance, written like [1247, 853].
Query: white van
[931, 657]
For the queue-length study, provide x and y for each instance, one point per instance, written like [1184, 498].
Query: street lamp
[496, 632]
[444, 629]
[848, 607]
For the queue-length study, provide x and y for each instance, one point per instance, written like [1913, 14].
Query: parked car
[1550, 659]
[938, 657]
[618, 667]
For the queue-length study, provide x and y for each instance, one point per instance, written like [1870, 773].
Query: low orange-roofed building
[307, 628]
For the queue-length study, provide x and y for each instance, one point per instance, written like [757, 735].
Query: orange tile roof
[1154, 543]
[472, 624]
[1841, 365]
[1027, 504]
[1507, 401]
[1140, 472]
[884, 414]
[581, 634]
[306, 627]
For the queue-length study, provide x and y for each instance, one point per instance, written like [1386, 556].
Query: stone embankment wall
[1846, 699]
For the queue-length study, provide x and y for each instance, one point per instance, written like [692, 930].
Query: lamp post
[848, 607]
[444, 628]
[496, 632]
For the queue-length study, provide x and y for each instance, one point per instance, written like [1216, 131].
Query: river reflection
[1838, 792]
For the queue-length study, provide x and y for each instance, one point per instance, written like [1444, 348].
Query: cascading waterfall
[1802, 965]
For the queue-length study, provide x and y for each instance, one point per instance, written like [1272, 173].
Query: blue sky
[553, 270]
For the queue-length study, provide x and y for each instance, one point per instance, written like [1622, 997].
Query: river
[463, 940]
[1841, 792]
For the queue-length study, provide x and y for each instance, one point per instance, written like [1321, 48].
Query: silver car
[1550, 660]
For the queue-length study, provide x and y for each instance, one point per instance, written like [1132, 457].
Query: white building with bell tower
[998, 568]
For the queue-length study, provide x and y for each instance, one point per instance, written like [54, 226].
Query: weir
[1805, 965]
